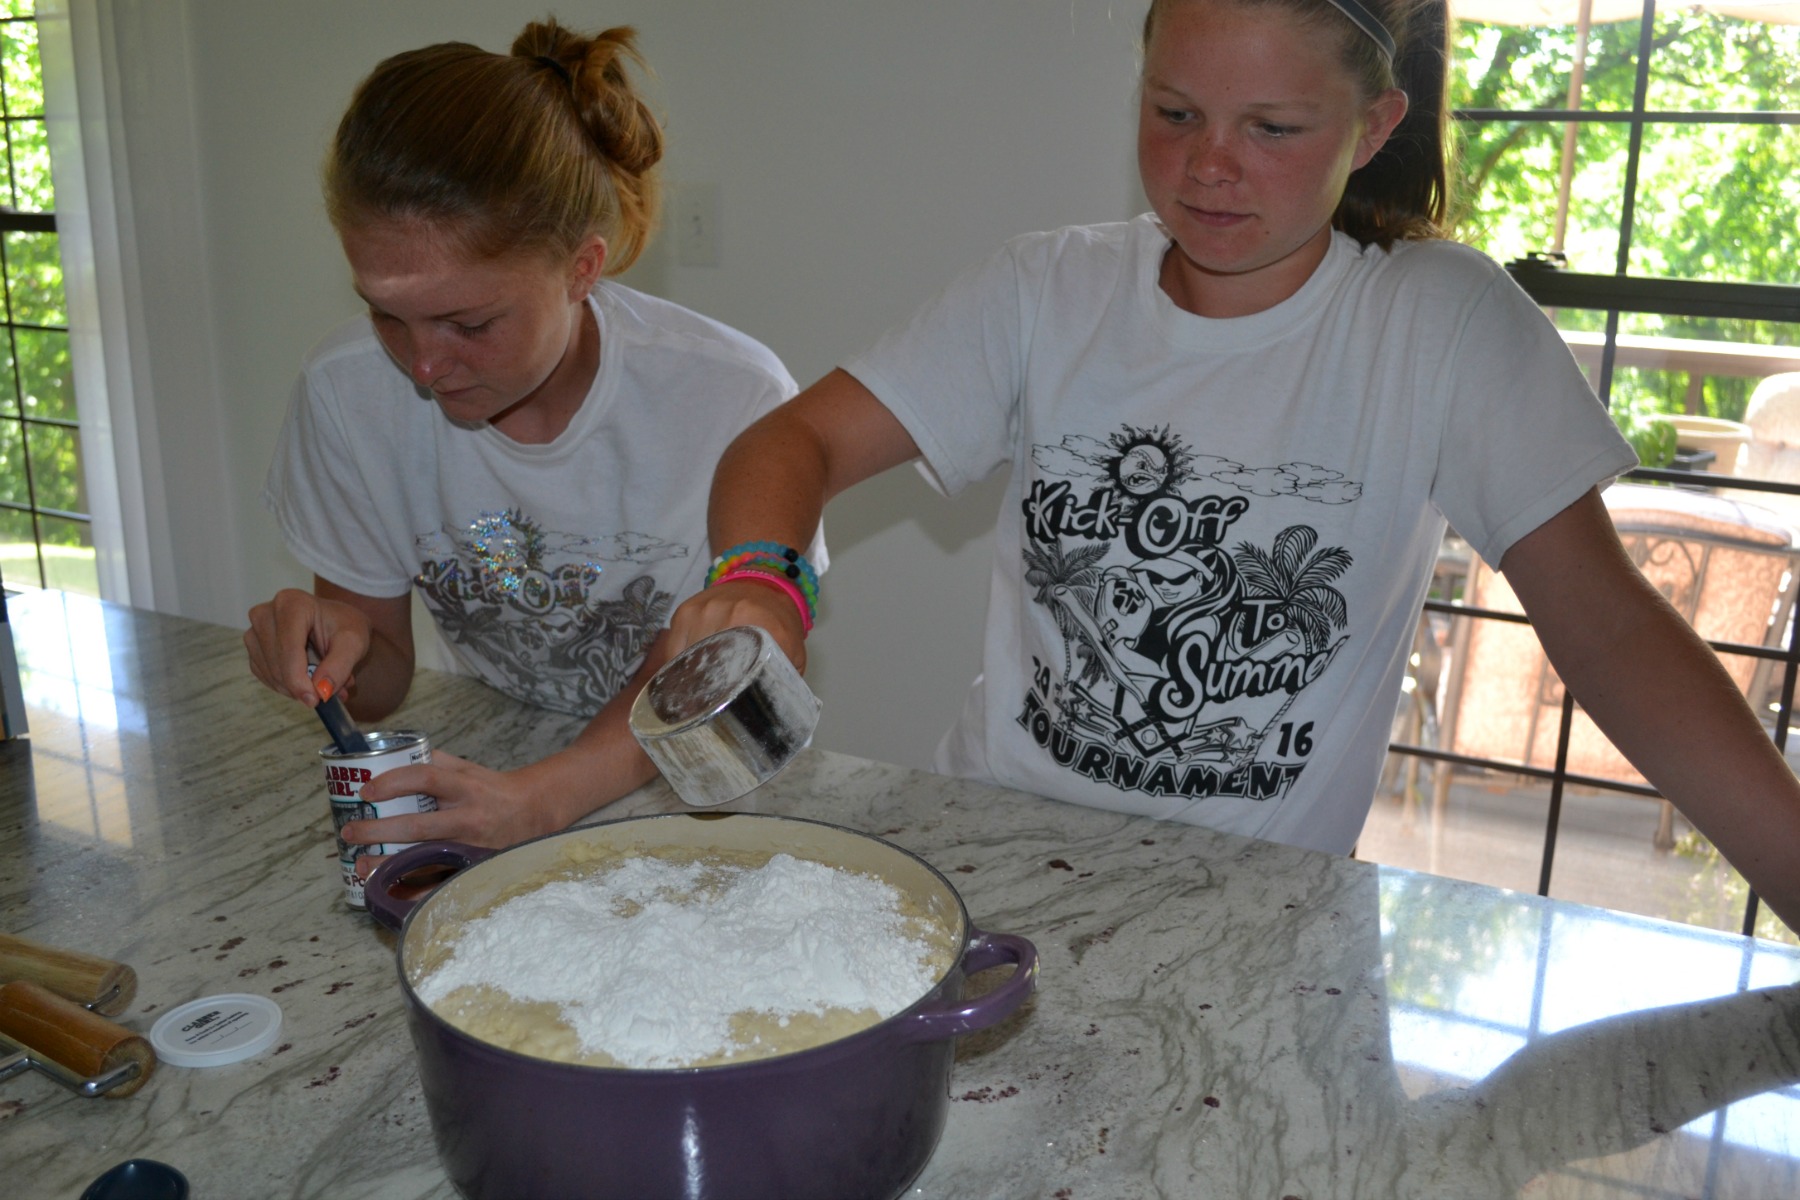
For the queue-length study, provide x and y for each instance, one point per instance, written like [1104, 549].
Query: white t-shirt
[1217, 534]
[548, 568]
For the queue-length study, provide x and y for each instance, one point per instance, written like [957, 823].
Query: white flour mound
[649, 961]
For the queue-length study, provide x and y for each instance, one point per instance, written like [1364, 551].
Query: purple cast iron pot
[853, 1119]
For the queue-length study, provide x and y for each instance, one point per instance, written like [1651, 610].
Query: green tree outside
[45, 530]
[1714, 201]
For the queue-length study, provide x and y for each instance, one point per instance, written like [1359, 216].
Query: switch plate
[695, 224]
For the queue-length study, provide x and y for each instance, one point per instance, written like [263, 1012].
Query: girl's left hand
[476, 805]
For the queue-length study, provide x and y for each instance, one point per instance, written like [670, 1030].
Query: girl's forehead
[409, 239]
[1185, 20]
[402, 266]
[413, 245]
[1199, 43]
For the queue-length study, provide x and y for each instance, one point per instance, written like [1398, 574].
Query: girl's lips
[1211, 217]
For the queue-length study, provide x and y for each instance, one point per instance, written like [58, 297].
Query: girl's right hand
[281, 631]
[726, 605]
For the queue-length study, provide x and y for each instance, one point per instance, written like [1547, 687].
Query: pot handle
[947, 1020]
[390, 909]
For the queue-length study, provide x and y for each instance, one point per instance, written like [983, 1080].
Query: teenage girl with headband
[519, 438]
[1236, 427]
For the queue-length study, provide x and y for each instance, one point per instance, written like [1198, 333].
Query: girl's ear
[1380, 119]
[585, 268]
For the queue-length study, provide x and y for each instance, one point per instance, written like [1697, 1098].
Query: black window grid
[13, 221]
[1553, 287]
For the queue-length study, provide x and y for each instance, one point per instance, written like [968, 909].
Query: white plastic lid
[216, 1030]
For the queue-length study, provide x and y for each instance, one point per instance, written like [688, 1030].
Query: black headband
[1367, 22]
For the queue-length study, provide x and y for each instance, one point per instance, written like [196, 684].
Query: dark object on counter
[139, 1179]
[856, 1117]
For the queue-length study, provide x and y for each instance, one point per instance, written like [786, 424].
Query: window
[45, 526]
[1636, 164]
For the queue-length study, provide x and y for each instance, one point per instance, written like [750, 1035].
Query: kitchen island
[1216, 1017]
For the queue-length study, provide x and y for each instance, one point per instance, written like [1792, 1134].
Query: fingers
[435, 778]
[341, 634]
[283, 629]
[727, 605]
[280, 631]
[474, 805]
[441, 826]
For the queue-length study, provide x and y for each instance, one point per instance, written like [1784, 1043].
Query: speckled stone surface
[1216, 1017]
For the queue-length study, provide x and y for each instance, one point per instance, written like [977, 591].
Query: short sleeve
[953, 373]
[319, 496]
[1524, 435]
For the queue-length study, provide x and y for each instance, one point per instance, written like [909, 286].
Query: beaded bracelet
[771, 569]
[784, 559]
[773, 580]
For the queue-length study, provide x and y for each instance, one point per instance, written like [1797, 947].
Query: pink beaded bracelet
[777, 581]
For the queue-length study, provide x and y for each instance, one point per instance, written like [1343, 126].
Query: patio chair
[1730, 567]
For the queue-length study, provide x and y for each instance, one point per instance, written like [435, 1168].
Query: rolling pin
[62, 1033]
[98, 983]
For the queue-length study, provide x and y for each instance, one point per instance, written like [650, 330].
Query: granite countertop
[1216, 1017]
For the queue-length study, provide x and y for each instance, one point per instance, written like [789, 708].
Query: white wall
[865, 150]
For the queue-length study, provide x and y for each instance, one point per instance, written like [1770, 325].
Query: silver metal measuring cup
[724, 716]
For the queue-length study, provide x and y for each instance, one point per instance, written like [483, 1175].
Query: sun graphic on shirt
[1148, 462]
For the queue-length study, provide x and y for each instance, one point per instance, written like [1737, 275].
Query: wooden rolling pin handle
[108, 986]
[65, 1033]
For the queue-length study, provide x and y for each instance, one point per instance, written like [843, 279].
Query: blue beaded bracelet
[783, 559]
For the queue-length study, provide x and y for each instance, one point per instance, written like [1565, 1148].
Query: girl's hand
[726, 605]
[281, 631]
[476, 805]
[485, 807]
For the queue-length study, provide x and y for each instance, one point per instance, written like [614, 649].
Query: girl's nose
[1213, 162]
[427, 363]
[425, 371]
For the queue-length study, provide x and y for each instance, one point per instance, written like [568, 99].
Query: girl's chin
[467, 405]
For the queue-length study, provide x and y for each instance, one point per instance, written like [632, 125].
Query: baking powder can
[345, 775]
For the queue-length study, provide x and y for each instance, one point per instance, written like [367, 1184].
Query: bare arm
[485, 807]
[772, 484]
[1657, 690]
[365, 645]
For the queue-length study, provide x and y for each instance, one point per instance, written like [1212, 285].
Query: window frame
[1552, 286]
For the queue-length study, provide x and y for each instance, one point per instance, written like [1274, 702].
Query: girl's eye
[472, 330]
[1279, 131]
[1175, 116]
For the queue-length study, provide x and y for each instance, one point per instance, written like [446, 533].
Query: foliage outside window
[45, 526]
[1716, 199]
[1718, 190]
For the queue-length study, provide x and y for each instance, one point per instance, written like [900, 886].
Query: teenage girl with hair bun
[507, 431]
[1236, 427]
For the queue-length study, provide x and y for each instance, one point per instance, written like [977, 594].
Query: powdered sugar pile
[650, 960]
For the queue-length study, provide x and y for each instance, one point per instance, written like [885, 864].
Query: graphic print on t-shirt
[1184, 645]
[546, 614]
